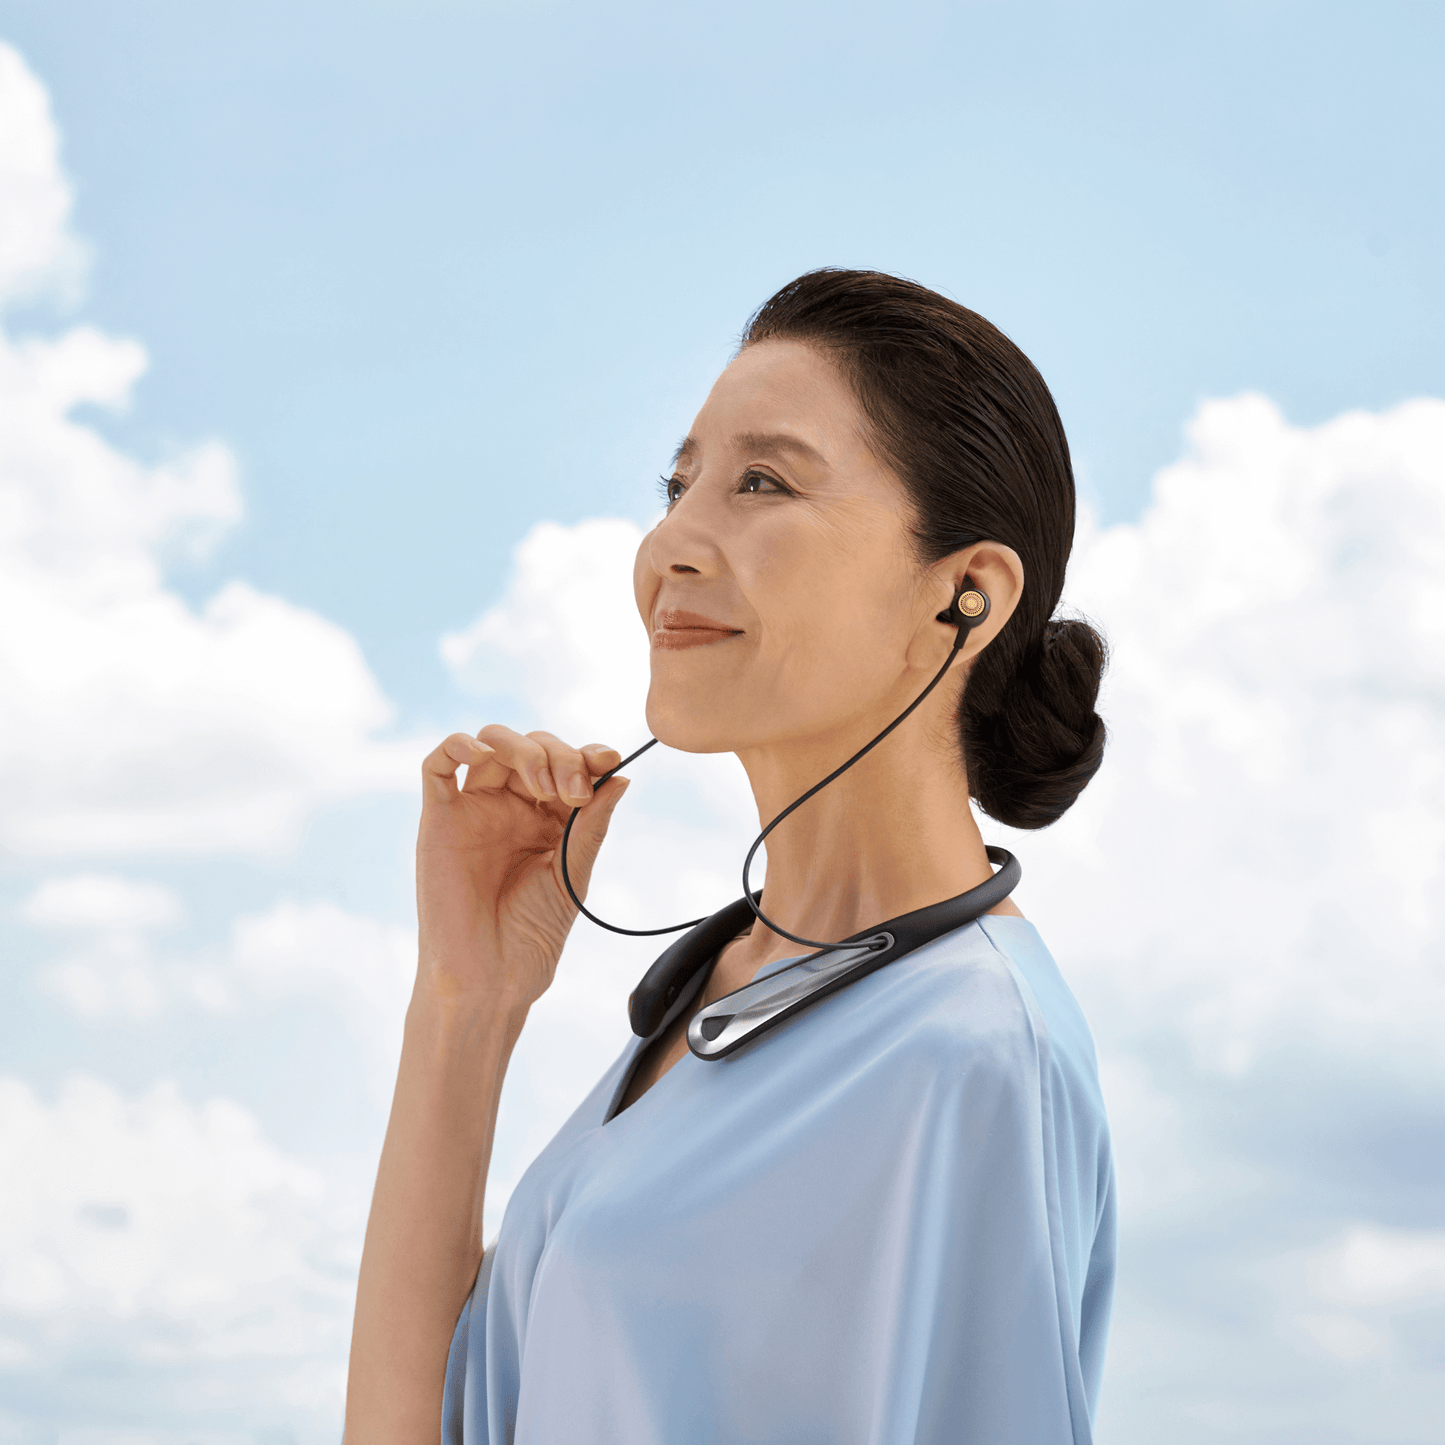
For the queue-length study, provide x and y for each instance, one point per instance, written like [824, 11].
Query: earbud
[968, 608]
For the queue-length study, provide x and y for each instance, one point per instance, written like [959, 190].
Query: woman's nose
[682, 543]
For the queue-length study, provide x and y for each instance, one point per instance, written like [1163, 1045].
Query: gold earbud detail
[971, 604]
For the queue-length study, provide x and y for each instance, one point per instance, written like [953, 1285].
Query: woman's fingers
[439, 768]
[587, 835]
[571, 768]
[539, 766]
[600, 758]
[517, 763]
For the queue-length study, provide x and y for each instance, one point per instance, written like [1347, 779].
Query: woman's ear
[995, 570]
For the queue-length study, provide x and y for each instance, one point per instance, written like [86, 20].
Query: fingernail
[545, 785]
[577, 788]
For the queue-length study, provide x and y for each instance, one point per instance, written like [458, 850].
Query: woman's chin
[689, 727]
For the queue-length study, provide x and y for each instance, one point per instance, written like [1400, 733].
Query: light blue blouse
[890, 1219]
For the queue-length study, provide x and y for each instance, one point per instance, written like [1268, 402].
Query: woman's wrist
[470, 973]
[460, 1022]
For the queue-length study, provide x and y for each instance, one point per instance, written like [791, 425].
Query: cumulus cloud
[566, 637]
[361, 970]
[160, 1258]
[113, 968]
[318, 947]
[1247, 898]
[135, 722]
[183, 1226]
[170, 1238]
[1278, 701]
[1249, 901]
[37, 251]
[106, 967]
[85, 901]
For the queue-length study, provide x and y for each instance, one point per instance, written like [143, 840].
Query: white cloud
[111, 978]
[37, 251]
[96, 900]
[1373, 1266]
[143, 1203]
[1269, 828]
[107, 967]
[114, 972]
[167, 1235]
[359, 968]
[159, 1259]
[566, 635]
[318, 947]
[136, 723]
[1249, 900]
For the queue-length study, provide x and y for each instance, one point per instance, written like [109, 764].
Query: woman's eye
[760, 482]
[754, 482]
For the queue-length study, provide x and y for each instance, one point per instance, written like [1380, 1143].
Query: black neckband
[741, 1016]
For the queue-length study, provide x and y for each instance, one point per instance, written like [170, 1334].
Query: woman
[891, 1217]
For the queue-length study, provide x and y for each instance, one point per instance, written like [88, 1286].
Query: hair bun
[1033, 747]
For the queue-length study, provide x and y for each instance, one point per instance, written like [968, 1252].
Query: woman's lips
[675, 630]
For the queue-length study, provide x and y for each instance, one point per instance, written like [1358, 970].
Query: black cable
[792, 807]
[752, 852]
[567, 877]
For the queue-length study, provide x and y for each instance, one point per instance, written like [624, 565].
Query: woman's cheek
[645, 580]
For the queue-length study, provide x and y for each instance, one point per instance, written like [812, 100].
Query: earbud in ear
[972, 605]
[969, 607]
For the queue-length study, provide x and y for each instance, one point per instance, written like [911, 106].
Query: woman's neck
[894, 833]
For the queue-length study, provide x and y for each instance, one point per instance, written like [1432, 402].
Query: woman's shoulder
[990, 995]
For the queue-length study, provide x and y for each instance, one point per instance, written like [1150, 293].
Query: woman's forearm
[492, 918]
[424, 1235]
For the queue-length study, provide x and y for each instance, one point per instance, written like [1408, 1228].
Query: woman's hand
[491, 904]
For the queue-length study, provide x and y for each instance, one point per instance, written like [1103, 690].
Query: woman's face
[780, 591]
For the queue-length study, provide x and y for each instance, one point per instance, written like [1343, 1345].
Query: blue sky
[436, 269]
[389, 317]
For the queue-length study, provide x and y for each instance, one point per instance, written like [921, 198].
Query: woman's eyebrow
[761, 442]
[757, 443]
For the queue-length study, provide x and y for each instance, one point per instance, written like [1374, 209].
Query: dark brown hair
[968, 425]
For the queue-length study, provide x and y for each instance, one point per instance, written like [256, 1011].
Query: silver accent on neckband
[752, 1008]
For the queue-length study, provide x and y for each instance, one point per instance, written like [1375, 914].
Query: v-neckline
[616, 1109]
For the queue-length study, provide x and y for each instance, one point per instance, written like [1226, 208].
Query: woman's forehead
[779, 400]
